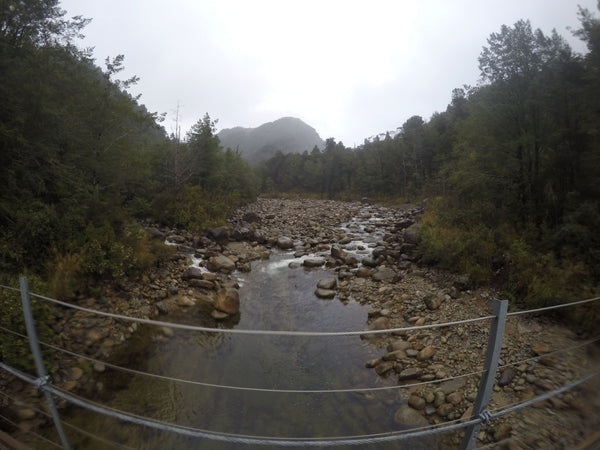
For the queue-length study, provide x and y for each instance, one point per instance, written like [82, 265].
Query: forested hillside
[82, 161]
[511, 168]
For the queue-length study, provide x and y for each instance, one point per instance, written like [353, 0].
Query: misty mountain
[288, 135]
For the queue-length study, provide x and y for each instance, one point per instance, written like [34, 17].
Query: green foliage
[193, 208]
[15, 350]
[540, 279]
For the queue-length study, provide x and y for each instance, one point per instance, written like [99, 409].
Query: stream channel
[273, 296]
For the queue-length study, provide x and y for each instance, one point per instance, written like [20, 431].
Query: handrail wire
[554, 352]
[547, 308]
[33, 433]
[260, 440]
[10, 288]
[237, 438]
[258, 332]
[14, 332]
[291, 442]
[24, 403]
[516, 406]
[252, 389]
[74, 427]
[96, 437]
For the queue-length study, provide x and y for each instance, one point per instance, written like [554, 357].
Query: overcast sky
[351, 69]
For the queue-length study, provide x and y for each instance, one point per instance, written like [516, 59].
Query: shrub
[14, 349]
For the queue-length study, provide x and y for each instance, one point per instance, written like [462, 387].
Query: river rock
[162, 308]
[202, 284]
[397, 355]
[327, 283]
[381, 323]
[384, 367]
[192, 273]
[369, 262]
[385, 274]
[455, 398]
[228, 301]
[284, 242]
[507, 376]
[75, 373]
[325, 293]
[399, 344]
[313, 262]
[412, 234]
[444, 409]
[338, 253]
[410, 373]
[416, 402]
[426, 353]
[410, 417]
[25, 413]
[218, 315]
[432, 302]
[363, 272]
[184, 300]
[220, 263]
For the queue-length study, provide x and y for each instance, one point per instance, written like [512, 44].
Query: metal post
[488, 377]
[39, 362]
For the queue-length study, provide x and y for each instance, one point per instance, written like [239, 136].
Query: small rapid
[277, 294]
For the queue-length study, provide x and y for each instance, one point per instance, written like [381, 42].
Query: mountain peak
[286, 134]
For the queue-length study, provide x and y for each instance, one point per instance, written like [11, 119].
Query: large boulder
[385, 274]
[284, 242]
[192, 273]
[220, 263]
[313, 262]
[412, 235]
[228, 301]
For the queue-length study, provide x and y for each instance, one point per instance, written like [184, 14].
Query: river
[273, 296]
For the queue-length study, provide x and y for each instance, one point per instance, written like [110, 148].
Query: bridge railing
[480, 415]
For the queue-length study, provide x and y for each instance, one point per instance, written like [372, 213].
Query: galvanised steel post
[500, 308]
[39, 362]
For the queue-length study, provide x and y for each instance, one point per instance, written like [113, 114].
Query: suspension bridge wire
[260, 440]
[17, 401]
[244, 439]
[95, 437]
[32, 433]
[548, 308]
[516, 406]
[258, 332]
[254, 389]
[74, 427]
[554, 352]
[10, 288]
[14, 332]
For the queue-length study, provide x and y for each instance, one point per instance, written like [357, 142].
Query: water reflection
[272, 297]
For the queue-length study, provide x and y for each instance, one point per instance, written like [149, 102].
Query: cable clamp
[485, 416]
[41, 382]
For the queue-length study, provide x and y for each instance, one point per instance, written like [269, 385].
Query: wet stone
[325, 293]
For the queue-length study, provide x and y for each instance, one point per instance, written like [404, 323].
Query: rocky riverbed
[372, 252]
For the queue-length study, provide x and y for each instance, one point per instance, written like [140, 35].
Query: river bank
[381, 271]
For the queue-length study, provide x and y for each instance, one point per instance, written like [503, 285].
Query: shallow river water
[273, 296]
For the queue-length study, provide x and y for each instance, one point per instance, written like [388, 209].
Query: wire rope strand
[516, 406]
[96, 437]
[554, 352]
[259, 440]
[14, 332]
[10, 288]
[253, 389]
[32, 433]
[548, 308]
[258, 332]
